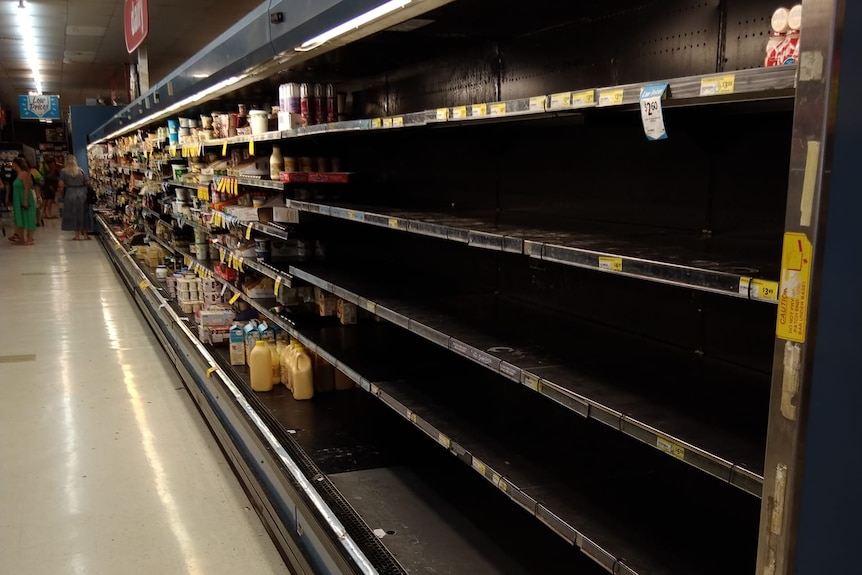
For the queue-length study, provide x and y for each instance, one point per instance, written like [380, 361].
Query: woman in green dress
[23, 204]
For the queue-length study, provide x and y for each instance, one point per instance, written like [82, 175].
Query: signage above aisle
[39, 107]
[136, 21]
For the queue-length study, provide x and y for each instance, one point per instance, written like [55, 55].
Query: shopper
[49, 189]
[23, 204]
[73, 187]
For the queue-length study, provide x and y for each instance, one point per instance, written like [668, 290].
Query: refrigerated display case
[586, 250]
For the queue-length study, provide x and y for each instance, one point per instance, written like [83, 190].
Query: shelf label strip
[717, 85]
[610, 263]
[670, 447]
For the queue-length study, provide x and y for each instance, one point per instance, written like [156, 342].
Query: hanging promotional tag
[651, 113]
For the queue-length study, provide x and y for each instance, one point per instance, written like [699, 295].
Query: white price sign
[651, 112]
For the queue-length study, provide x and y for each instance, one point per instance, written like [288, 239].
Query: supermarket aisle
[105, 465]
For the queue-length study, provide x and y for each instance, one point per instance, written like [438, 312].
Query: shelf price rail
[741, 85]
[528, 243]
[566, 387]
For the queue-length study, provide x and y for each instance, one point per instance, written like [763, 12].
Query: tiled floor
[106, 467]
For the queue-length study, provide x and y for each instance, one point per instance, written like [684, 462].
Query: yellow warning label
[794, 288]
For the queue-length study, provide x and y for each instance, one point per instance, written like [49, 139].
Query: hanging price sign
[651, 112]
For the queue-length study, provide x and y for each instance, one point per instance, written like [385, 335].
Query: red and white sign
[137, 23]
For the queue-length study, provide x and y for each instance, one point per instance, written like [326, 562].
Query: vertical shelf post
[811, 499]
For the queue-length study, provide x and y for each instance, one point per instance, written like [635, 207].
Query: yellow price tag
[239, 264]
[393, 223]
[477, 110]
[670, 447]
[187, 261]
[387, 122]
[444, 441]
[611, 264]
[351, 215]
[717, 85]
[531, 381]
[503, 485]
[561, 100]
[173, 150]
[248, 232]
[144, 284]
[222, 255]
[764, 290]
[537, 104]
[224, 149]
[478, 465]
[498, 109]
[234, 298]
[459, 112]
[443, 114]
[611, 97]
[398, 122]
[585, 98]
[413, 417]
[251, 147]
[277, 286]
[371, 306]
[376, 123]
[211, 371]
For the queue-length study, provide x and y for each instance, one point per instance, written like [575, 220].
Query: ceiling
[81, 46]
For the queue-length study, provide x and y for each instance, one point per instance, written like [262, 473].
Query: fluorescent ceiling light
[200, 76]
[25, 26]
[353, 24]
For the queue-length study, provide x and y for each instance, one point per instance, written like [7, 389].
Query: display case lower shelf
[673, 259]
[718, 450]
[410, 378]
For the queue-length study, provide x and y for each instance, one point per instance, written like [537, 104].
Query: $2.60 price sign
[651, 112]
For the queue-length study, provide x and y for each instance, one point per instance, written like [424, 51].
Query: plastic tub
[259, 121]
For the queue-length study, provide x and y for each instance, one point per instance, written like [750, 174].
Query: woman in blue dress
[73, 188]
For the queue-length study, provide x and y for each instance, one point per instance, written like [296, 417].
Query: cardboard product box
[346, 312]
[236, 338]
[209, 285]
[262, 288]
[217, 316]
[218, 335]
[244, 213]
[326, 302]
[278, 213]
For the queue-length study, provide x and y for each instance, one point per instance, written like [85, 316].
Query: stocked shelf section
[718, 451]
[742, 85]
[638, 256]
[222, 219]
